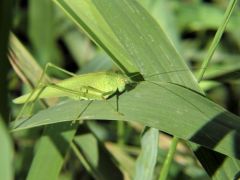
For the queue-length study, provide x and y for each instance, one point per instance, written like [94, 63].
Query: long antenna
[173, 71]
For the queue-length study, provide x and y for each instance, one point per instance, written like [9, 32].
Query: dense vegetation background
[123, 36]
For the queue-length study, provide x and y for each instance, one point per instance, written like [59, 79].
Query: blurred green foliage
[50, 36]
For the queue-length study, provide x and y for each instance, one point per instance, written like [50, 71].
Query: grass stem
[216, 39]
[168, 161]
[120, 133]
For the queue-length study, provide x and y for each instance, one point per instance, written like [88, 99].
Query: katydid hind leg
[75, 93]
[39, 84]
[50, 65]
[40, 81]
[31, 104]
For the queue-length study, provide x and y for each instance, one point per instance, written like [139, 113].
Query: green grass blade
[153, 62]
[23, 62]
[6, 153]
[86, 16]
[217, 38]
[125, 160]
[169, 158]
[98, 163]
[6, 8]
[7, 149]
[194, 119]
[148, 50]
[120, 133]
[218, 166]
[148, 157]
[52, 148]
[42, 31]
[162, 12]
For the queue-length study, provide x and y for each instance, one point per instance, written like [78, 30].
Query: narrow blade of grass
[6, 153]
[217, 38]
[42, 31]
[52, 148]
[148, 157]
[168, 160]
[98, 163]
[6, 150]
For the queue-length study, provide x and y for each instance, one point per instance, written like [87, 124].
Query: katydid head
[128, 81]
[122, 81]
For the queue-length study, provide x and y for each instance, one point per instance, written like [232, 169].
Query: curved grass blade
[139, 49]
[194, 118]
[23, 62]
[132, 43]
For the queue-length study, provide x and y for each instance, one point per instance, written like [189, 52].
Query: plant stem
[169, 158]
[120, 133]
[216, 39]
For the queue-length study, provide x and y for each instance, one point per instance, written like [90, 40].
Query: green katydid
[91, 86]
